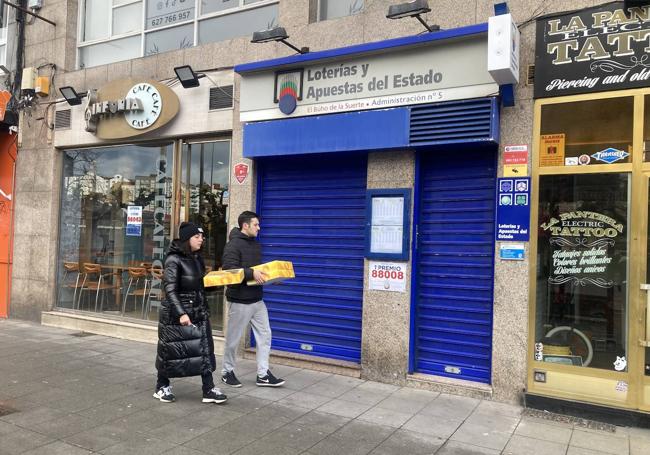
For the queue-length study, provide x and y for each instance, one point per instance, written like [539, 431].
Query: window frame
[320, 19]
[142, 33]
[4, 33]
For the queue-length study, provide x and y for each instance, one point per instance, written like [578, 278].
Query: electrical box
[503, 49]
[35, 4]
[29, 78]
[42, 86]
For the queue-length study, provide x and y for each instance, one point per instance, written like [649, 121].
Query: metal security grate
[530, 75]
[455, 268]
[454, 122]
[221, 97]
[62, 119]
[312, 212]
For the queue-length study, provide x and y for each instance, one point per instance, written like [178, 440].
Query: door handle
[646, 341]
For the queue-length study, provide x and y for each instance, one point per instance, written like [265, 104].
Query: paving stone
[181, 430]
[366, 395]
[109, 411]
[580, 451]
[304, 400]
[461, 448]
[33, 417]
[432, 425]
[544, 431]
[57, 448]
[408, 401]
[494, 422]
[639, 446]
[142, 445]
[494, 407]
[451, 406]
[246, 404]
[385, 417]
[409, 442]
[482, 436]
[522, 445]
[304, 378]
[67, 426]
[222, 441]
[327, 389]
[269, 393]
[344, 408]
[100, 437]
[321, 421]
[354, 438]
[21, 440]
[604, 442]
[182, 450]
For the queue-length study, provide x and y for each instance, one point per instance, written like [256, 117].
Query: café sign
[127, 108]
[596, 49]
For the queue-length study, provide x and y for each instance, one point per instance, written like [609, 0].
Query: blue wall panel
[312, 211]
[364, 130]
[455, 265]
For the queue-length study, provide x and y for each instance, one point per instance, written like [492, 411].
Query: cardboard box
[223, 277]
[275, 271]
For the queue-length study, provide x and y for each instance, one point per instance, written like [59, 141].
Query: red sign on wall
[515, 154]
[241, 172]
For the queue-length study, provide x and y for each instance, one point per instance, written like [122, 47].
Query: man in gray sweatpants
[245, 303]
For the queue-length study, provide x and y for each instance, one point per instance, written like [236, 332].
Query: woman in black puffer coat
[185, 345]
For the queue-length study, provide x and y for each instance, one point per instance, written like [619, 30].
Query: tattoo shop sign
[583, 248]
[596, 49]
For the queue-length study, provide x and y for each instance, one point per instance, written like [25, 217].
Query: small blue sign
[513, 209]
[610, 155]
[134, 230]
[512, 252]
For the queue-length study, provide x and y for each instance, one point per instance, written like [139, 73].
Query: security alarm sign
[515, 161]
[241, 172]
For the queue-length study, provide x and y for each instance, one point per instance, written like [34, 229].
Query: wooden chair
[71, 269]
[95, 280]
[137, 276]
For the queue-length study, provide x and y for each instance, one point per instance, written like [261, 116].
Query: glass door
[204, 201]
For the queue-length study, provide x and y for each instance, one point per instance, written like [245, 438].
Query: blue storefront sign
[513, 209]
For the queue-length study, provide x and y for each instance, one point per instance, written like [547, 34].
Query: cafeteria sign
[596, 49]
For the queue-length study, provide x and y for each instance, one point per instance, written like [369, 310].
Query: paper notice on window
[386, 239]
[551, 150]
[387, 211]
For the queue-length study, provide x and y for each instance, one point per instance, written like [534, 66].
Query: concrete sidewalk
[61, 393]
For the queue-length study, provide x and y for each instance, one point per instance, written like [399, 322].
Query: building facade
[416, 193]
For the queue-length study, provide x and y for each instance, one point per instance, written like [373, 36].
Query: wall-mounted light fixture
[276, 34]
[71, 96]
[187, 77]
[412, 9]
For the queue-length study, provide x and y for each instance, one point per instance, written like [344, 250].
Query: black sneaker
[269, 380]
[165, 394]
[214, 396]
[230, 379]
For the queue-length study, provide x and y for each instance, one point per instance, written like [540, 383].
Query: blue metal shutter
[312, 211]
[455, 269]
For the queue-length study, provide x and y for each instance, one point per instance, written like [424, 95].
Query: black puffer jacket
[184, 350]
[244, 252]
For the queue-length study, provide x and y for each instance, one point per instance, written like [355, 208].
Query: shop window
[587, 132]
[3, 34]
[240, 24]
[116, 207]
[646, 131]
[331, 9]
[204, 200]
[581, 282]
[112, 30]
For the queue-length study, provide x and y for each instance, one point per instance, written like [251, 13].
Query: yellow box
[223, 277]
[275, 271]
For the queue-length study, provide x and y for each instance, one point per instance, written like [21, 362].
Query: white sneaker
[165, 394]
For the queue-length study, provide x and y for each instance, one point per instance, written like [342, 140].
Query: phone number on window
[170, 18]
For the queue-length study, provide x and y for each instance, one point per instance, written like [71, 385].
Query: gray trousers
[239, 315]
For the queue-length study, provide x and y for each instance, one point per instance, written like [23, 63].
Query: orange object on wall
[7, 173]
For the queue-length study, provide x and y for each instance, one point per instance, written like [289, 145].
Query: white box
[503, 49]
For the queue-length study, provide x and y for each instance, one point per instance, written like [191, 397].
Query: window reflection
[100, 187]
[204, 200]
[582, 270]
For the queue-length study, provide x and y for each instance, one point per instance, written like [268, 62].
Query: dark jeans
[208, 382]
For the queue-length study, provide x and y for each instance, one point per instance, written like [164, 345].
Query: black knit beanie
[187, 230]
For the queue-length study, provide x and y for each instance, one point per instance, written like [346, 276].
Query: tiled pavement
[92, 394]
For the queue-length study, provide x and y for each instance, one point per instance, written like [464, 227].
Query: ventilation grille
[454, 121]
[62, 120]
[221, 97]
[530, 75]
